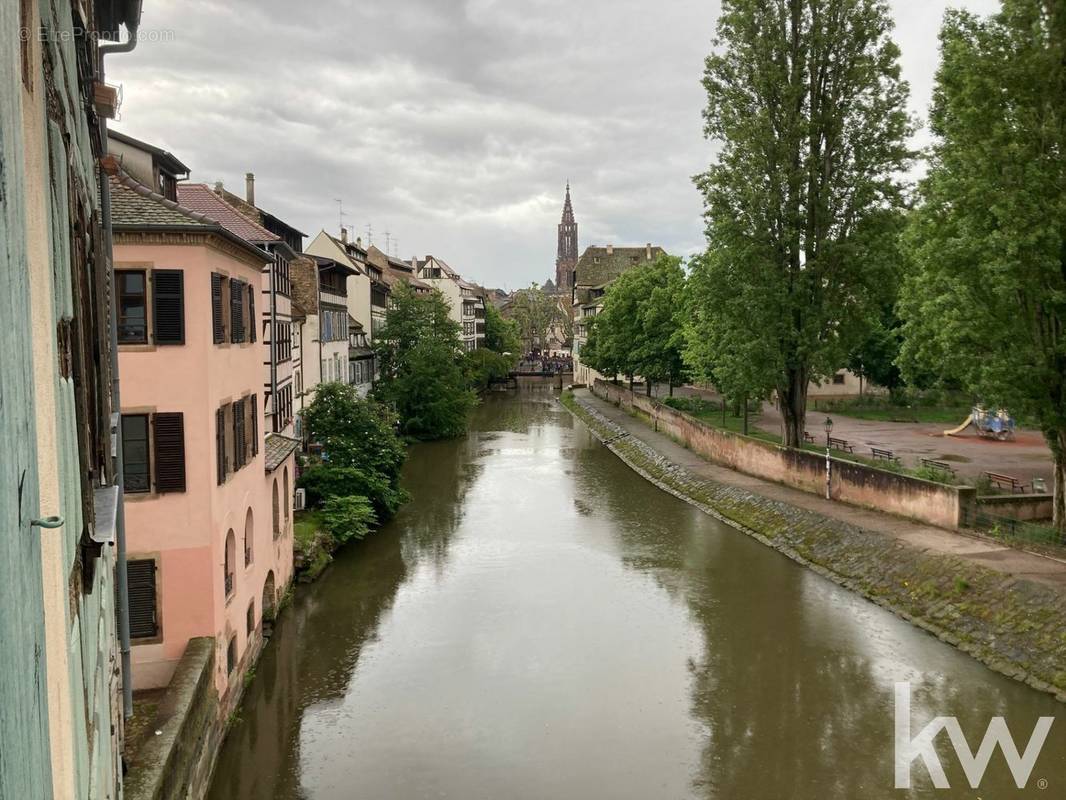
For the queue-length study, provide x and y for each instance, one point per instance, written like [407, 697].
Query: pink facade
[198, 535]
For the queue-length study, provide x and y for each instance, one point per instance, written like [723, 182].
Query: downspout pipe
[121, 577]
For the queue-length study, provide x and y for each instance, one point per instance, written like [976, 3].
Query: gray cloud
[453, 124]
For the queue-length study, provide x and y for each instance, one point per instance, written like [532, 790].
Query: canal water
[540, 622]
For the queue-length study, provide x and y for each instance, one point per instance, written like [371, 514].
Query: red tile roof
[199, 197]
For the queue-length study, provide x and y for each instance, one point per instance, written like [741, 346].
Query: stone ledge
[1012, 625]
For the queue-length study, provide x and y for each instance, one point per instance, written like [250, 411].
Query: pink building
[208, 497]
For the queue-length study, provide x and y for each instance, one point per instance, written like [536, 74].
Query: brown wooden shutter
[140, 587]
[236, 311]
[168, 306]
[239, 441]
[255, 424]
[217, 325]
[169, 430]
[220, 445]
[253, 323]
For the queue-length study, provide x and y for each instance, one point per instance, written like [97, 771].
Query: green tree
[985, 301]
[662, 322]
[483, 366]
[361, 452]
[420, 355]
[806, 99]
[501, 335]
[615, 331]
[535, 313]
[348, 517]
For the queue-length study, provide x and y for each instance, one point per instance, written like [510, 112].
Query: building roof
[332, 263]
[277, 449]
[166, 158]
[600, 265]
[136, 207]
[199, 197]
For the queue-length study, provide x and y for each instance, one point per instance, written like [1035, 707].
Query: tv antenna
[340, 213]
[369, 234]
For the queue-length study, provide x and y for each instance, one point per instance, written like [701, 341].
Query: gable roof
[199, 197]
[166, 158]
[600, 265]
[136, 207]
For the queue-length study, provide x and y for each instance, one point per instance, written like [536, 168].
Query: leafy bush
[325, 480]
[483, 366]
[348, 517]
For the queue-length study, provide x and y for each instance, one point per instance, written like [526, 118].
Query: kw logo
[973, 764]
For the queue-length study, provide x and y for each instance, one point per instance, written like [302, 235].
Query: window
[237, 295]
[141, 589]
[164, 460]
[132, 307]
[249, 532]
[281, 276]
[232, 310]
[231, 556]
[231, 655]
[168, 306]
[135, 472]
[838, 379]
[276, 510]
[285, 495]
[236, 435]
[250, 619]
[282, 341]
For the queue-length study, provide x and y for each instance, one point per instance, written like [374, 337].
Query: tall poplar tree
[985, 303]
[806, 101]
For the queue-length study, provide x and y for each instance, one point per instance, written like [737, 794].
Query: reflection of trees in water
[792, 690]
[310, 659]
[519, 411]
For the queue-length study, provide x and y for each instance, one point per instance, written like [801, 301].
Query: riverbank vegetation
[352, 481]
[420, 358]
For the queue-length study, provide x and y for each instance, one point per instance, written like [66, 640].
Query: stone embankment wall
[1012, 625]
[176, 764]
[1022, 507]
[858, 484]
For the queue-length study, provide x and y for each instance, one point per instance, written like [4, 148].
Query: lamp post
[828, 459]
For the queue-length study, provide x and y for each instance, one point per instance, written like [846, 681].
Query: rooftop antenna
[340, 213]
[395, 248]
[388, 241]
[369, 234]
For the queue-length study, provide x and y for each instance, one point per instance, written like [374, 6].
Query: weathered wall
[1022, 507]
[858, 484]
[176, 764]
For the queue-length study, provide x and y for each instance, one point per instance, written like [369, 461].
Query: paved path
[981, 551]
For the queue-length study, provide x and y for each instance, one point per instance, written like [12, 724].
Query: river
[540, 622]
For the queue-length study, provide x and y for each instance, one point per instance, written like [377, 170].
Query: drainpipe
[122, 585]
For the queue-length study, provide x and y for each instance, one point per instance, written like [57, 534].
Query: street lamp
[828, 459]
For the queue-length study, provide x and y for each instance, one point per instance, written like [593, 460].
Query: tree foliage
[348, 517]
[985, 300]
[536, 313]
[420, 356]
[806, 99]
[483, 366]
[501, 335]
[361, 452]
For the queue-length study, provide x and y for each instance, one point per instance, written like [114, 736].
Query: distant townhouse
[61, 669]
[465, 299]
[204, 336]
[400, 271]
[597, 268]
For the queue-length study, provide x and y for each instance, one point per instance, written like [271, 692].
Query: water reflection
[540, 622]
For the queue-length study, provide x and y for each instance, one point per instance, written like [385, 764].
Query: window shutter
[140, 587]
[253, 323]
[216, 308]
[255, 424]
[168, 306]
[239, 442]
[236, 311]
[220, 445]
[169, 432]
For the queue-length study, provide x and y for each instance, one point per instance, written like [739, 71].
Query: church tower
[566, 260]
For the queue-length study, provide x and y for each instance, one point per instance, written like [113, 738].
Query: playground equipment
[991, 424]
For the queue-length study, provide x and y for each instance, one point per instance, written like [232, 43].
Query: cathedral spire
[566, 259]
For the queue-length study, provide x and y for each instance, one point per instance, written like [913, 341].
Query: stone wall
[1022, 507]
[176, 764]
[1012, 625]
[854, 483]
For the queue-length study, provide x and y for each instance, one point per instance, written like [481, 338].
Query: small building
[465, 299]
[597, 268]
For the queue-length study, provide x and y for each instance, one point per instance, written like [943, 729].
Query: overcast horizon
[453, 125]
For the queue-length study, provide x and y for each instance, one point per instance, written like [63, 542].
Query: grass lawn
[305, 525]
[711, 413]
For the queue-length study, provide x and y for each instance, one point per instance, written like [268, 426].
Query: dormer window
[168, 186]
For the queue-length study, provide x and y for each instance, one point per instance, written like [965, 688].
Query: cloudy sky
[453, 125]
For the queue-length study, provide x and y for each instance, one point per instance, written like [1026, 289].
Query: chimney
[359, 242]
[344, 234]
[610, 249]
[647, 251]
[414, 264]
[249, 188]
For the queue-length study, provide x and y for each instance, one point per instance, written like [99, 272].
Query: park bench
[939, 466]
[808, 438]
[883, 455]
[1006, 482]
[843, 445]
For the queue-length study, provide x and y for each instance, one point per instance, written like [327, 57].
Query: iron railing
[1010, 529]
